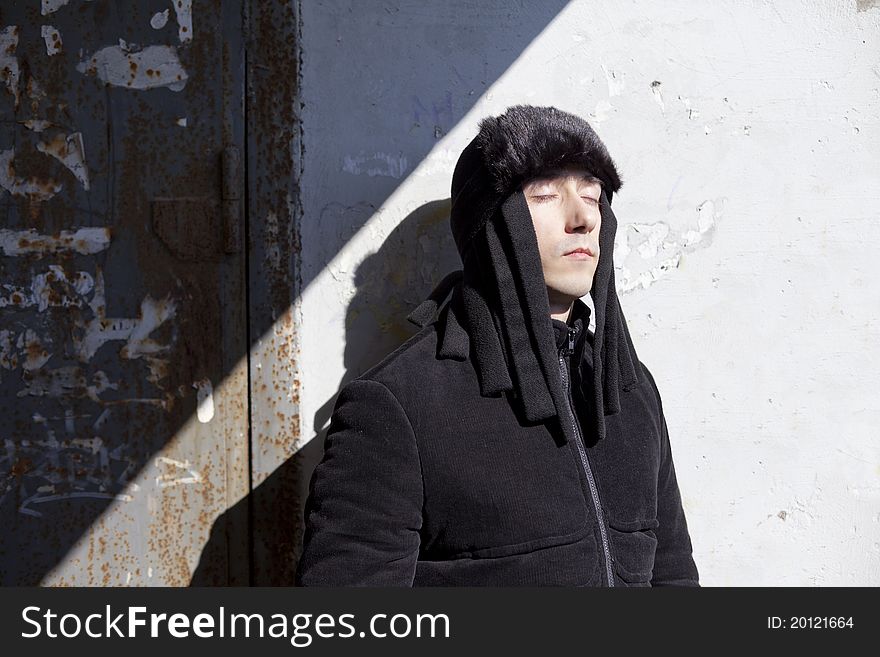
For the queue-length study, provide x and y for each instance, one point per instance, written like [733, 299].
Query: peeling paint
[183, 9]
[50, 289]
[658, 96]
[70, 152]
[9, 71]
[32, 187]
[705, 224]
[52, 37]
[85, 241]
[68, 381]
[205, 400]
[153, 314]
[51, 6]
[26, 349]
[378, 164]
[54, 289]
[158, 369]
[35, 353]
[616, 83]
[159, 19]
[173, 478]
[692, 113]
[100, 330]
[150, 68]
[37, 125]
[644, 253]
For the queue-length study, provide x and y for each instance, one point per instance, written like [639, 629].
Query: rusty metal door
[123, 319]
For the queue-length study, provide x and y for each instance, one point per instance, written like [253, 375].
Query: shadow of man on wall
[389, 284]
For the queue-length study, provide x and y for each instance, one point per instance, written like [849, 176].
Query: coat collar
[453, 340]
[579, 317]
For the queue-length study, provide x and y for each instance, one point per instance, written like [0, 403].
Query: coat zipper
[572, 332]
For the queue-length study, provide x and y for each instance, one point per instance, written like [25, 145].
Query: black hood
[501, 286]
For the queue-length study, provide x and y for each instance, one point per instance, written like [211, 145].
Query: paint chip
[37, 125]
[615, 81]
[52, 37]
[656, 250]
[159, 19]
[70, 152]
[34, 188]
[85, 241]
[8, 61]
[150, 68]
[183, 9]
[51, 6]
[658, 96]
[205, 400]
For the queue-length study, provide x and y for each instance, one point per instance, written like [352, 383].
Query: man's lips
[580, 253]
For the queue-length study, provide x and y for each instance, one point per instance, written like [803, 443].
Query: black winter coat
[424, 482]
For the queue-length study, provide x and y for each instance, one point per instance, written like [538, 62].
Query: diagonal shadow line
[352, 158]
[375, 80]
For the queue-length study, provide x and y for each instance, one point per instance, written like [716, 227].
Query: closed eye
[590, 199]
[541, 198]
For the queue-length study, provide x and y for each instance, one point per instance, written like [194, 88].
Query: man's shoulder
[414, 365]
[647, 376]
[417, 349]
[650, 392]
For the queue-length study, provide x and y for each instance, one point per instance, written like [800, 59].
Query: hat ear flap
[614, 357]
[528, 309]
[482, 325]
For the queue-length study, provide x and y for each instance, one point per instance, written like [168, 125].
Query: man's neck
[560, 312]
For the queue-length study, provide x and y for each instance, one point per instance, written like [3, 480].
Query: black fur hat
[501, 287]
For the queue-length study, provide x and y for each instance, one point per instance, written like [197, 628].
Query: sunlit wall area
[747, 139]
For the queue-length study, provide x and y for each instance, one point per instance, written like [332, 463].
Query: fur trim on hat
[527, 140]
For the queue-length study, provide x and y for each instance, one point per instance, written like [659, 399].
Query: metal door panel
[123, 336]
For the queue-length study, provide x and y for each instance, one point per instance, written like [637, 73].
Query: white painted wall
[747, 137]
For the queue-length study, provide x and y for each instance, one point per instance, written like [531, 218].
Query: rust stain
[277, 435]
[21, 467]
[196, 339]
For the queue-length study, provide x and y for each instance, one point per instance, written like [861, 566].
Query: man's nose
[578, 217]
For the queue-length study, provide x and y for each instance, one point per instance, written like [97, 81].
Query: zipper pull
[571, 334]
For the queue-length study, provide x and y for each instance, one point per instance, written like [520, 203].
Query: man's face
[564, 205]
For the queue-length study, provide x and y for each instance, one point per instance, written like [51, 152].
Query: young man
[505, 443]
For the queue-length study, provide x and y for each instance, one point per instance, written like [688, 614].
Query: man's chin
[577, 289]
[569, 293]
